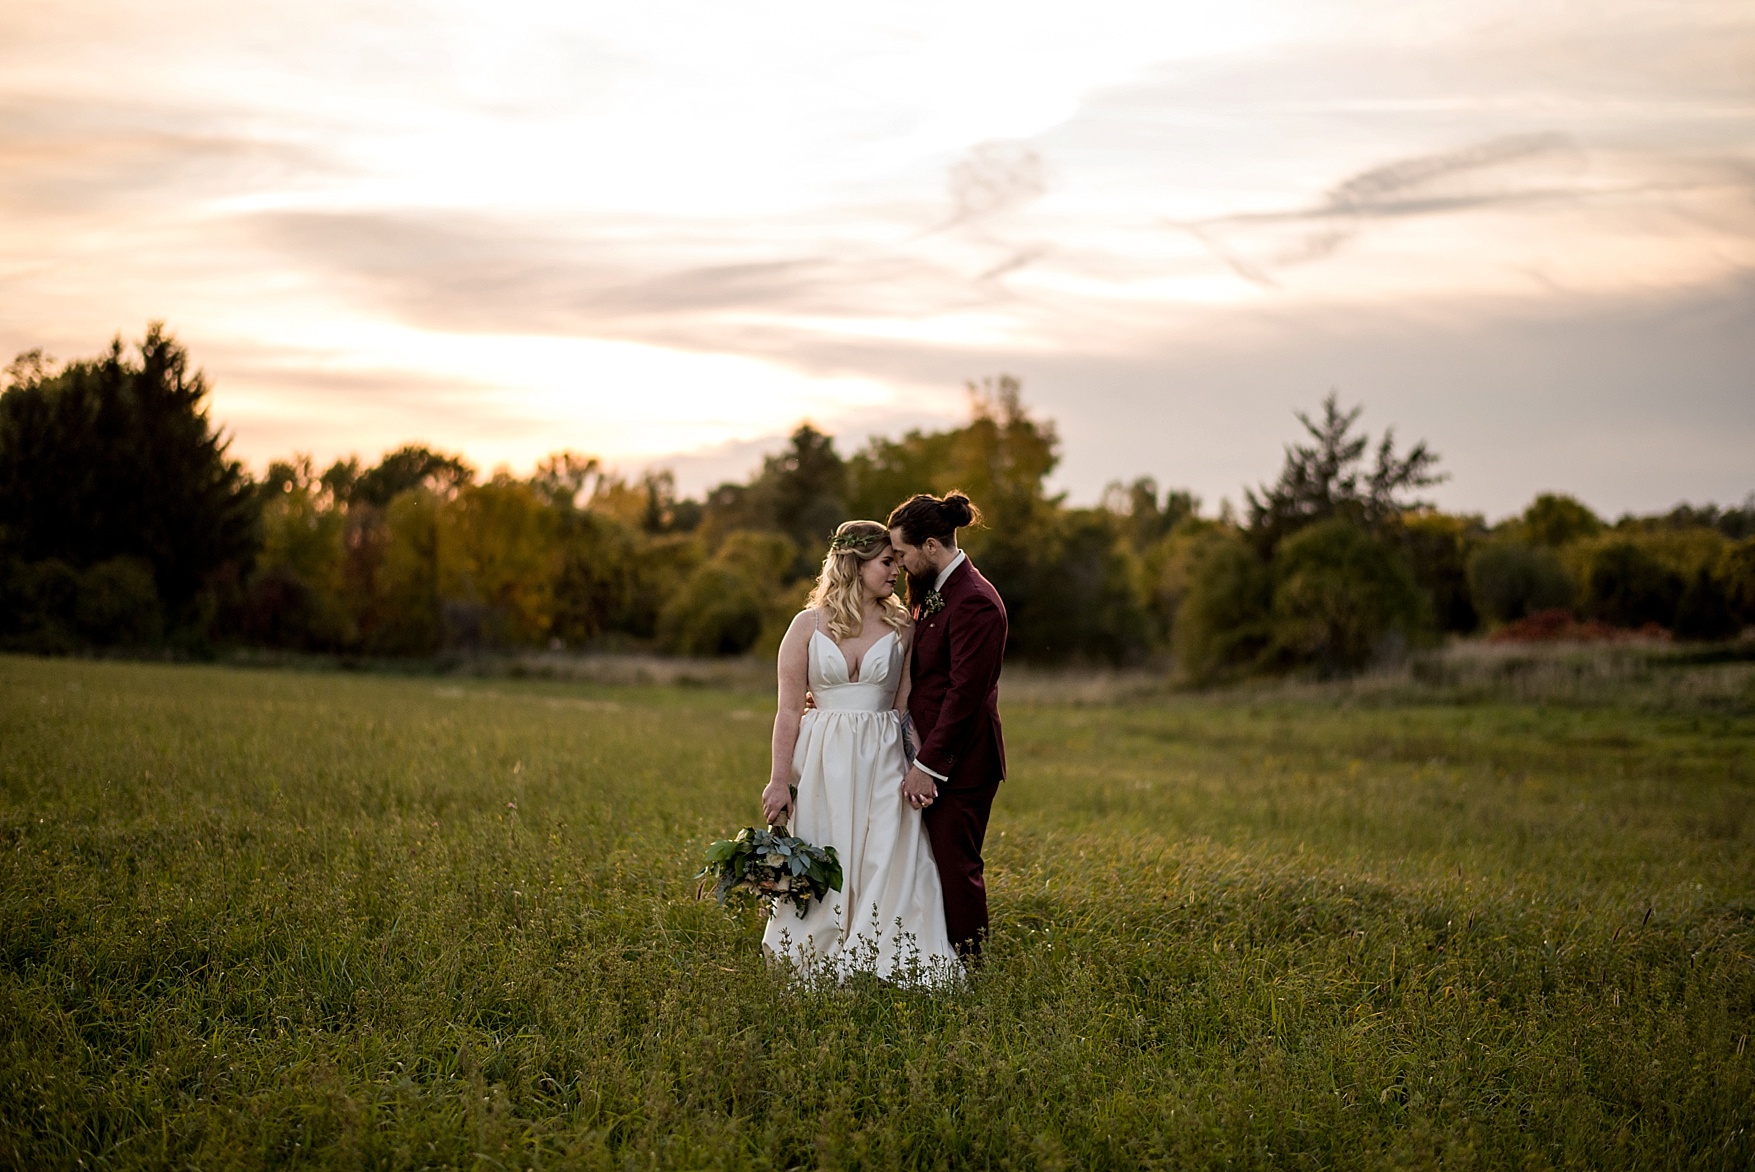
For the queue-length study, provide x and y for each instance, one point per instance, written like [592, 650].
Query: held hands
[777, 803]
[919, 789]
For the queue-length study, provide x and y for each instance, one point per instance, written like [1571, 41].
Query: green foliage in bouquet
[773, 867]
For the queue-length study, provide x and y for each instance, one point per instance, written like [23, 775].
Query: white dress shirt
[944, 576]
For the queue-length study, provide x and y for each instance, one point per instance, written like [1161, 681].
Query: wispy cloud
[101, 157]
[1515, 170]
[620, 276]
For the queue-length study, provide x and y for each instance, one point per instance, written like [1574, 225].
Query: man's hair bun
[922, 516]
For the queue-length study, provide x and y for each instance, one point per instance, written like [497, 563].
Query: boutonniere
[931, 604]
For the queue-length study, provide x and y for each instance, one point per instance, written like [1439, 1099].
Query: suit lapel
[929, 628]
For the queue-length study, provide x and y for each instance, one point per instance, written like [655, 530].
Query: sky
[666, 233]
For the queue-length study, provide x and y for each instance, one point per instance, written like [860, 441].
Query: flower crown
[846, 541]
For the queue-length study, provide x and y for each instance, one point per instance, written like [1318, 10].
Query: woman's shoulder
[803, 624]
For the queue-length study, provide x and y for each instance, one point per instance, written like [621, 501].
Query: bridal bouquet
[773, 867]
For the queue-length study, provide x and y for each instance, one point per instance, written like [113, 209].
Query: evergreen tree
[115, 457]
[1328, 479]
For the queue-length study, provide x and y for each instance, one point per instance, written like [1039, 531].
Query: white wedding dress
[889, 915]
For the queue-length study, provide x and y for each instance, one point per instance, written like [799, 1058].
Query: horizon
[665, 236]
[702, 484]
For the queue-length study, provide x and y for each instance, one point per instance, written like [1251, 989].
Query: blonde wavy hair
[838, 590]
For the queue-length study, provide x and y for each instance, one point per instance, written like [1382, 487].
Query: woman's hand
[777, 803]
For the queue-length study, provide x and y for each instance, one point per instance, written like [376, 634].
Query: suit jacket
[954, 701]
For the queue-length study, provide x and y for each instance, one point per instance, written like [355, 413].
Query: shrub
[717, 612]
[1223, 619]
[1685, 551]
[1555, 520]
[1628, 587]
[1437, 547]
[767, 559]
[1704, 612]
[1736, 570]
[1510, 580]
[118, 604]
[1341, 597]
[281, 609]
[1557, 626]
[723, 606]
[37, 601]
[1084, 599]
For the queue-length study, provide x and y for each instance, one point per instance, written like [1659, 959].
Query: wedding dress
[889, 915]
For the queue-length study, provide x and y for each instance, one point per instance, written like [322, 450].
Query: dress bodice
[880, 671]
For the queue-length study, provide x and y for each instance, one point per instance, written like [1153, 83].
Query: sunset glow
[665, 233]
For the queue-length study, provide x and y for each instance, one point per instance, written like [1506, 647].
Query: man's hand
[777, 803]
[920, 789]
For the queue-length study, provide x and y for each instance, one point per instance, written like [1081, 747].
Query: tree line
[124, 522]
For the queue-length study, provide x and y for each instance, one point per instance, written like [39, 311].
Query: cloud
[388, 197]
[994, 177]
[83, 157]
[631, 277]
[1017, 260]
[1515, 170]
[1441, 182]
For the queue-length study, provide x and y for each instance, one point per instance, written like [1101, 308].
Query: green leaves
[771, 867]
[721, 852]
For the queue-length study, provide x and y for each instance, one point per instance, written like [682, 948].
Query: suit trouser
[956, 824]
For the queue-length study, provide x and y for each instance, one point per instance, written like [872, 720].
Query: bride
[846, 756]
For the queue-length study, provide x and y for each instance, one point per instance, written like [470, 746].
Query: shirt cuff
[929, 770]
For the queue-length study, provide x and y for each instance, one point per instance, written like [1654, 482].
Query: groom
[959, 640]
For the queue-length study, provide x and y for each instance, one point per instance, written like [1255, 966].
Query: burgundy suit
[954, 703]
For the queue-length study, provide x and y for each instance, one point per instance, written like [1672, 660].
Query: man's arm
[977, 648]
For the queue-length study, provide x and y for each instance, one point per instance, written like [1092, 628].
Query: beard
[918, 585]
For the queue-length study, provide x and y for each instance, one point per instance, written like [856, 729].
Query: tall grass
[302, 919]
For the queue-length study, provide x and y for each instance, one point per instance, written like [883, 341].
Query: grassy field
[312, 919]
